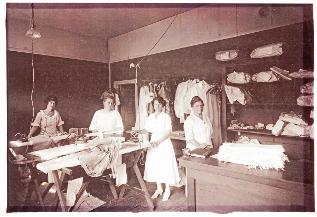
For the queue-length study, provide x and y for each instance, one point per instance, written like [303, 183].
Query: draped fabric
[214, 114]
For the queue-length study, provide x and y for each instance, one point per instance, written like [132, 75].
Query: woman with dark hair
[48, 120]
[197, 127]
[107, 120]
[160, 165]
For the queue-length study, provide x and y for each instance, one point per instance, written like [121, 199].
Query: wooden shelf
[266, 104]
[266, 132]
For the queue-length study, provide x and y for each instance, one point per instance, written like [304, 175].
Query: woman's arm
[165, 136]
[32, 131]
[60, 128]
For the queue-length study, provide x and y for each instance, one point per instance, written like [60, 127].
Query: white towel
[73, 188]
[253, 155]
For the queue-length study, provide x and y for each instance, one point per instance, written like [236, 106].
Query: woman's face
[198, 108]
[158, 107]
[51, 105]
[108, 104]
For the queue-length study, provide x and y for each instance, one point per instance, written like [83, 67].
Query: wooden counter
[227, 187]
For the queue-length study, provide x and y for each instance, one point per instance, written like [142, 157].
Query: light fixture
[32, 33]
[132, 65]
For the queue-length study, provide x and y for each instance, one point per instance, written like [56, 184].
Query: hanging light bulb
[32, 32]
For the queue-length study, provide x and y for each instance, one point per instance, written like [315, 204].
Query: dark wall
[199, 61]
[77, 84]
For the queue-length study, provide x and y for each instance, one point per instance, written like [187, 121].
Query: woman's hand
[154, 144]
[205, 146]
[29, 137]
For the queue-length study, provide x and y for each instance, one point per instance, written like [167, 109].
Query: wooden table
[227, 187]
[72, 161]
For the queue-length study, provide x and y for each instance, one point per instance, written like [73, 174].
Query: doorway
[128, 102]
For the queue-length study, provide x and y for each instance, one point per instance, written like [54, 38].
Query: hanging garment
[142, 114]
[179, 102]
[191, 92]
[152, 94]
[214, 114]
[160, 165]
[163, 92]
[202, 87]
[235, 94]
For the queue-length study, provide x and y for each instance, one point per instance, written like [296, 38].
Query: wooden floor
[133, 200]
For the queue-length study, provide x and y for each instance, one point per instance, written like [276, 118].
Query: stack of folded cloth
[291, 124]
[253, 155]
[307, 97]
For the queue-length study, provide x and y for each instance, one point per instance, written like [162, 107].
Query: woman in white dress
[197, 127]
[107, 120]
[160, 165]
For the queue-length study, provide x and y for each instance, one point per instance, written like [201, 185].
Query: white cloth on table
[104, 121]
[160, 165]
[198, 129]
[253, 155]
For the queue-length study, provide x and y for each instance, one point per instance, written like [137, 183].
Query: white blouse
[104, 121]
[198, 129]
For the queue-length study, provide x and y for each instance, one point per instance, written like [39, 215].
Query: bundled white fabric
[253, 155]
[238, 77]
[267, 50]
[305, 100]
[292, 118]
[302, 74]
[307, 88]
[267, 76]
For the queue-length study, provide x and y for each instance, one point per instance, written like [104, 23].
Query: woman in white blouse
[197, 127]
[160, 165]
[107, 120]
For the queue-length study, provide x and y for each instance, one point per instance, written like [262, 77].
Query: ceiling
[97, 20]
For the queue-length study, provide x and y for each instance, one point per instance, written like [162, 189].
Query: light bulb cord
[33, 83]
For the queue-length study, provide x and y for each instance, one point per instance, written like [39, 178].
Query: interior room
[138, 107]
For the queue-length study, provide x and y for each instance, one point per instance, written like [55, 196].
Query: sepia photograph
[159, 107]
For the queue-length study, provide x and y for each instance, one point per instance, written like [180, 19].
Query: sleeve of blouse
[93, 126]
[59, 120]
[168, 123]
[147, 124]
[188, 129]
[119, 122]
[37, 120]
